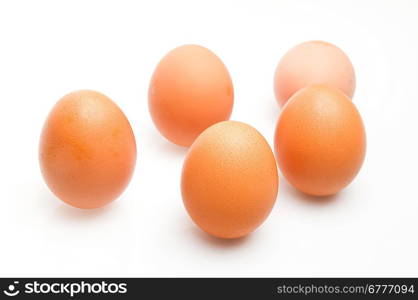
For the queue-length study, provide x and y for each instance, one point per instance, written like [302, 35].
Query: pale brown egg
[190, 90]
[87, 150]
[320, 140]
[229, 181]
[314, 62]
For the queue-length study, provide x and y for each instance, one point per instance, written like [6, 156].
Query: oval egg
[87, 150]
[229, 181]
[190, 90]
[320, 140]
[314, 62]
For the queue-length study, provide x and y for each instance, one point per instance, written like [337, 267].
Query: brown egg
[229, 181]
[320, 140]
[87, 150]
[313, 62]
[189, 91]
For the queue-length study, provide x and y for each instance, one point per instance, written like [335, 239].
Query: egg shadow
[165, 145]
[310, 199]
[64, 211]
[168, 146]
[74, 214]
[274, 108]
[272, 112]
[219, 242]
[45, 195]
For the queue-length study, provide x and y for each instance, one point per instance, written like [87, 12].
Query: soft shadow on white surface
[172, 148]
[165, 145]
[46, 196]
[67, 212]
[274, 109]
[273, 113]
[211, 241]
[307, 199]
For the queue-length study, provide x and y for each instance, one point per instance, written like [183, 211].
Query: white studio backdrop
[50, 48]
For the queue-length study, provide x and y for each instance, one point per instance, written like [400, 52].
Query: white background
[49, 48]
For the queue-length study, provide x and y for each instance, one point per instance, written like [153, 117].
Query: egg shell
[190, 90]
[314, 62]
[87, 150]
[229, 180]
[320, 140]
